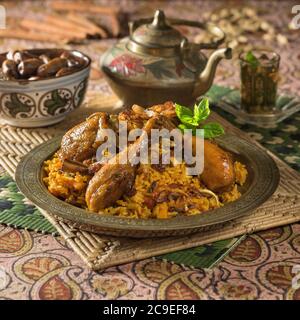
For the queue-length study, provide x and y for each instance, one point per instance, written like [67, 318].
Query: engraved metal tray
[262, 181]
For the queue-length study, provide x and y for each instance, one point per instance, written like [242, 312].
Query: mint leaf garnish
[192, 120]
[251, 59]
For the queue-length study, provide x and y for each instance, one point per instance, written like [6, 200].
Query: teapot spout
[205, 79]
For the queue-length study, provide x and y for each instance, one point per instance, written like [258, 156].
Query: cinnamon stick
[87, 24]
[115, 25]
[32, 35]
[61, 22]
[83, 7]
[45, 27]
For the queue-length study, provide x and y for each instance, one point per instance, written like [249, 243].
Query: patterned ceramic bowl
[40, 103]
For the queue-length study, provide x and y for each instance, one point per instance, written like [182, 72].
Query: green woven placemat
[206, 256]
[17, 212]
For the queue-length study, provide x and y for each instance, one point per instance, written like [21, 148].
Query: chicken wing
[116, 177]
[81, 142]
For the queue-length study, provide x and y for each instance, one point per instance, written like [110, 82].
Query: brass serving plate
[261, 183]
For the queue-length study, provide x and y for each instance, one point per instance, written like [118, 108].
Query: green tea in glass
[259, 78]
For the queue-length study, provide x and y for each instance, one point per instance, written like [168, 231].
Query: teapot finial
[159, 21]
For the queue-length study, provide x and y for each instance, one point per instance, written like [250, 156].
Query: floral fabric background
[262, 266]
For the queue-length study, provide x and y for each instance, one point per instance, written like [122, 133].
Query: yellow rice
[70, 187]
[184, 194]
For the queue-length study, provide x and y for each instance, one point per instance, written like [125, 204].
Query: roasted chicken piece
[218, 173]
[167, 109]
[160, 122]
[116, 178]
[74, 166]
[81, 142]
[134, 119]
[137, 116]
[108, 185]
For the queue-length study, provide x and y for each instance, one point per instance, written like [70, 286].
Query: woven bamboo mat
[100, 252]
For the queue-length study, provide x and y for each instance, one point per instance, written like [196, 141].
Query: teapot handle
[208, 26]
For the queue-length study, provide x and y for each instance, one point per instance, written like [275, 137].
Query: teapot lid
[152, 36]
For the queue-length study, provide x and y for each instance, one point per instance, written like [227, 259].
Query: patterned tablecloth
[263, 265]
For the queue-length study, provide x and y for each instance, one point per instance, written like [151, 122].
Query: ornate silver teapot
[156, 62]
